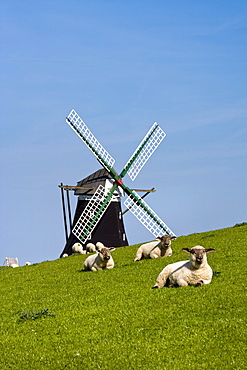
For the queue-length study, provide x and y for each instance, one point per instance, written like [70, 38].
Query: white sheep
[194, 272]
[90, 248]
[99, 246]
[161, 247]
[100, 261]
[65, 255]
[78, 249]
[27, 263]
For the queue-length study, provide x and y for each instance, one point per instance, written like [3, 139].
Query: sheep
[78, 249]
[99, 246]
[14, 265]
[161, 247]
[100, 261]
[90, 248]
[194, 272]
[65, 255]
[27, 263]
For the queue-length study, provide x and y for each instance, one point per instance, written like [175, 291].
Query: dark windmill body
[110, 229]
[88, 226]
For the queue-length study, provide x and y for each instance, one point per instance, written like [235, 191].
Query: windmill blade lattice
[81, 129]
[147, 216]
[144, 151]
[92, 214]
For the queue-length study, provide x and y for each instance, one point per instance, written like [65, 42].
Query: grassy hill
[54, 316]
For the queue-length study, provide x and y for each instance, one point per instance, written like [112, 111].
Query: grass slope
[53, 316]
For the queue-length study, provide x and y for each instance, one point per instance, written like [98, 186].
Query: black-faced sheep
[100, 261]
[161, 247]
[194, 272]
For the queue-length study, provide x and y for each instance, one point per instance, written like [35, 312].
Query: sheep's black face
[198, 255]
[166, 240]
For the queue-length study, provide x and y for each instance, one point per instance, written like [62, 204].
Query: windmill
[102, 197]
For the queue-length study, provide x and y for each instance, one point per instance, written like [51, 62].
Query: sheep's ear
[209, 250]
[173, 237]
[111, 249]
[186, 250]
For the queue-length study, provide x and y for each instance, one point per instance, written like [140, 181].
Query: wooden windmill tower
[93, 214]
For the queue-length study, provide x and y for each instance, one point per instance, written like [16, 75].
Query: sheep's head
[198, 254]
[166, 240]
[105, 254]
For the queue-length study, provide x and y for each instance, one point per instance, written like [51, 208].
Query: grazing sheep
[100, 261]
[194, 272]
[65, 255]
[161, 247]
[90, 248]
[78, 249]
[27, 263]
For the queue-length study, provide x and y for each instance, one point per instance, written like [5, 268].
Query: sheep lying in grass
[194, 272]
[78, 249]
[100, 261]
[99, 246]
[90, 248]
[161, 247]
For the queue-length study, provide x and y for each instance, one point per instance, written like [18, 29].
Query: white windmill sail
[92, 213]
[147, 217]
[144, 151]
[81, 129]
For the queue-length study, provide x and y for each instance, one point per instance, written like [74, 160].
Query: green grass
[114, 320]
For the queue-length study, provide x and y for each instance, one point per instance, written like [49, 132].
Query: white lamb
[99, 246]
[161, 247]
[100, 261]
[78, 249]
[90, 248]
[194, 272]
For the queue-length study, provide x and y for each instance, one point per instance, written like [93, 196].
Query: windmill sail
[144, 151]
[92, 213]
[81, 129]
[146, 215]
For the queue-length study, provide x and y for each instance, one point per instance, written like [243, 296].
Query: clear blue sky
[122, 65]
